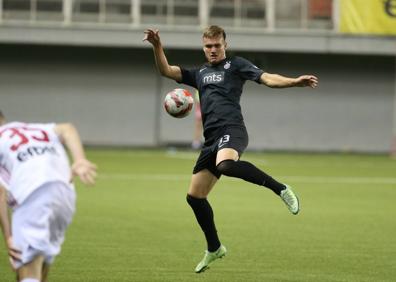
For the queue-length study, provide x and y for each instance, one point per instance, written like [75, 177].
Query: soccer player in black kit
[220, 82]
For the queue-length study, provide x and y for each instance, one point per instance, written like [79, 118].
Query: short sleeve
[248, 71]
[189, 77]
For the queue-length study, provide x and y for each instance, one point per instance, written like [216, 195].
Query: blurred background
[84, 61]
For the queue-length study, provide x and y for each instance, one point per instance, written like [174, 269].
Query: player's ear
[225, 44]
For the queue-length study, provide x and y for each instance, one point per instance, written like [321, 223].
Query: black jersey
[220, 88]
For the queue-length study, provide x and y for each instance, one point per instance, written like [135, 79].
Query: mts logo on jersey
[213, 77]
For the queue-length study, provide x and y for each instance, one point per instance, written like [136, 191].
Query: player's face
[214, 49]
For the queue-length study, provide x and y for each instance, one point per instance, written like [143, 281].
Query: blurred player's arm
[4, 217]
[6, 226]
[172, 72]
[278, 81]
[81, 167]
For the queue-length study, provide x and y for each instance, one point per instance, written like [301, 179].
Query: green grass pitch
[135, 224]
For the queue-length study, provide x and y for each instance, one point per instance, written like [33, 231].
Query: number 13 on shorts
[223, 141]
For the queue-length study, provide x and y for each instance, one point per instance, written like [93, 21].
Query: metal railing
[268, 15]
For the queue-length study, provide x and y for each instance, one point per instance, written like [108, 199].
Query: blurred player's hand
[307, 80]
[85, 170]
[13, 253]
[152, 36]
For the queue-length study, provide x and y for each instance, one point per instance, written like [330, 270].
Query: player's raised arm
[81, 167]
[172, 72]
[279, 81]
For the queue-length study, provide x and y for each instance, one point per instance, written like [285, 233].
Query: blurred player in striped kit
[36, 182]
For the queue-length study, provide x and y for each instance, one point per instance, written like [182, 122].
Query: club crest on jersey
[227, 65]
[213, 78]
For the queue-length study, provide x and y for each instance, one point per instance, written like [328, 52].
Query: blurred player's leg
[45, 271]
[32, 270]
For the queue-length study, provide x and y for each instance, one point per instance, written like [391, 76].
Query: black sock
[204, 214]
[250, 173]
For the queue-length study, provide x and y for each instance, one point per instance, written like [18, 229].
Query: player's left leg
[31, 271]
[228, 163]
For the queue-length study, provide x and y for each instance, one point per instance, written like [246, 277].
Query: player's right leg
[31, 271]
[202, 183]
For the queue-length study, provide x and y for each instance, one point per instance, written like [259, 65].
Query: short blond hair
[214, 31]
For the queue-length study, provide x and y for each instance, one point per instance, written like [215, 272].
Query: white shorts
[40, 222]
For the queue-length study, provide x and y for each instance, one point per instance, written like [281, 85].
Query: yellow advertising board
[368, 16]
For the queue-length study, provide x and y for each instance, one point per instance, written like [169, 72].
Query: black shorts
[235, 137]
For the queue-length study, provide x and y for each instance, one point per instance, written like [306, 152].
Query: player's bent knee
[226, 167]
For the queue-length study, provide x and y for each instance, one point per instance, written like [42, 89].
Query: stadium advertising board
[368, 17]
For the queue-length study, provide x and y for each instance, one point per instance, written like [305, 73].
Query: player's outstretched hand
[85, 170]
[13, 253]
[152, 36]
[307, 80]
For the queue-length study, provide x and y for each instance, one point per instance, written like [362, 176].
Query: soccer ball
[178, 103]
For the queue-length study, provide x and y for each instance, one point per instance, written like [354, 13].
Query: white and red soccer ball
[178, 103]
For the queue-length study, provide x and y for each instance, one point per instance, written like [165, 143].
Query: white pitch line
[338, 179]
[295, 179]
[145, 177]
